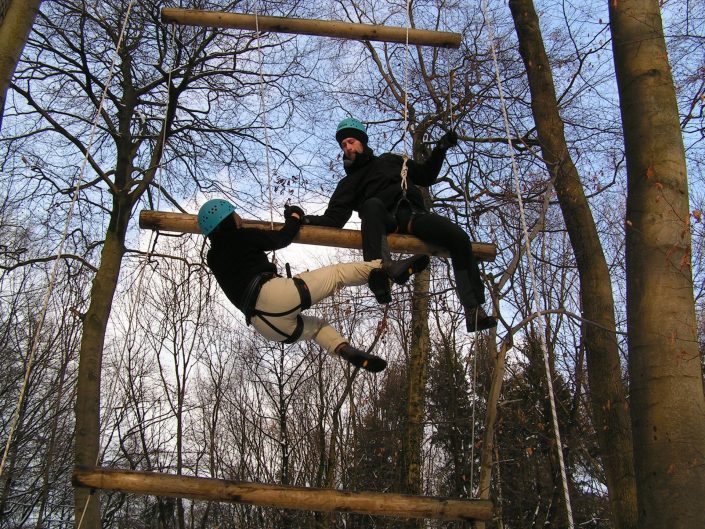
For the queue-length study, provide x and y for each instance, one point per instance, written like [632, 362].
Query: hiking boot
[401, 271]
[380, 285]
[358, 358]
[476, 319]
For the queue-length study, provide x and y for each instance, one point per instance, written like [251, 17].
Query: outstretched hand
[448, 140]
[293, 211]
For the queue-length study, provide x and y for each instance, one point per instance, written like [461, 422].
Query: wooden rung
[321, 28]
[283, 497]
[316, 235]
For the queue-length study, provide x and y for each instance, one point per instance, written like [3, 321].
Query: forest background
[190, 114]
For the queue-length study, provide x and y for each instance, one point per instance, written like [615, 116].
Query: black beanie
[351, 133]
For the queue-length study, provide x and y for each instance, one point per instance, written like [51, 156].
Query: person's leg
[281, 295]
[439, 230]
[324, 282]
[377, 222]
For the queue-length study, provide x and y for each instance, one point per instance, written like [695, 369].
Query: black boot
[367, 361]
[476, 319]
[401, 271]
[380, 285]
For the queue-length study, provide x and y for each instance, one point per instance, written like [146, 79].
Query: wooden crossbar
[316, 235]
[283, 497]
[321, 28]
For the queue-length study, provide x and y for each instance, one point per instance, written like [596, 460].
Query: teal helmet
[351, 128]
[213, 213]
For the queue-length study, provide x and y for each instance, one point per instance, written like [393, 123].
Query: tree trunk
[90, 360]
[667, 404]
[417, 377]
[15, 24]
[607, 392]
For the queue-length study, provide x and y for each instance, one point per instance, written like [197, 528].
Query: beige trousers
[280, 294]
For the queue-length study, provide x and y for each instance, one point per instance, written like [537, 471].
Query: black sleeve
[426, 173]
[272, 240]
[339, 208]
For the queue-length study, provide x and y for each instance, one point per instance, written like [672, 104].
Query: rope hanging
[527, 243]
[263, 111]
[404, 168]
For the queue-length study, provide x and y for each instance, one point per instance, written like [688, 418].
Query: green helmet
[213, 213]
[351, 128]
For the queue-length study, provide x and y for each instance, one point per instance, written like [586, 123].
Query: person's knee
[372, 208]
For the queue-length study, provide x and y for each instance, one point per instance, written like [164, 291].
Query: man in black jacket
[389, 201]
[271, 303]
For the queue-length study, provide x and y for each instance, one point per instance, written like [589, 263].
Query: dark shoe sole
[380, 287]
[417, 264]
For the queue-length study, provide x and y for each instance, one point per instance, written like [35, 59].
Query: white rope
[69, 218]
[404, 168]
[263, 112]
[527, 243]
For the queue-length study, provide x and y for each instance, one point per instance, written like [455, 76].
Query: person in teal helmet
[372, 186]
[272, 304]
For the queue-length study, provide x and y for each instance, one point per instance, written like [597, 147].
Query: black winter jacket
[237, 256]
[378, 176]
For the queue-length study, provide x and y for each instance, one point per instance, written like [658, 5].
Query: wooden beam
[316, 235]
[283, 497]
[321, 28]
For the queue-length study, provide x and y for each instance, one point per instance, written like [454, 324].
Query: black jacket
[378, 176]
[237, 256]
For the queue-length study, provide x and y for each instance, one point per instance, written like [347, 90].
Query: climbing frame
[316, 235]
[321, 28]
[282, 497]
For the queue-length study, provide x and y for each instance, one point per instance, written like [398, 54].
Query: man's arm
[339, 208]
[426, 173]
[275, 240]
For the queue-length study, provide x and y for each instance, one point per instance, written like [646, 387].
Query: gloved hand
[448, 140]
[290, 210]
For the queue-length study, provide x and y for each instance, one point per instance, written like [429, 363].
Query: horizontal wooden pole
[283, 497]
[321, 28]
[316, 235]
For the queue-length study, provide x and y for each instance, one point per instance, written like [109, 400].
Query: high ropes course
[281, 496]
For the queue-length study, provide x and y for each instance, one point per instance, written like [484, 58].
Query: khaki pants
[280, 294]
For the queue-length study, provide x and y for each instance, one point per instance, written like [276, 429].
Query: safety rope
[263, 113]
[527, 243]
[404, 167]
[54, 271]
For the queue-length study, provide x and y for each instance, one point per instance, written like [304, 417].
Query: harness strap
[251, 293]
[304, 292]
[304, 303]
[290, 338]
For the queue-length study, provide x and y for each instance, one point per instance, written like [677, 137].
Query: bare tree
[162, 94]
[608, 394]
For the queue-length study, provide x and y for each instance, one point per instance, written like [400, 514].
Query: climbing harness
[249, 302]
